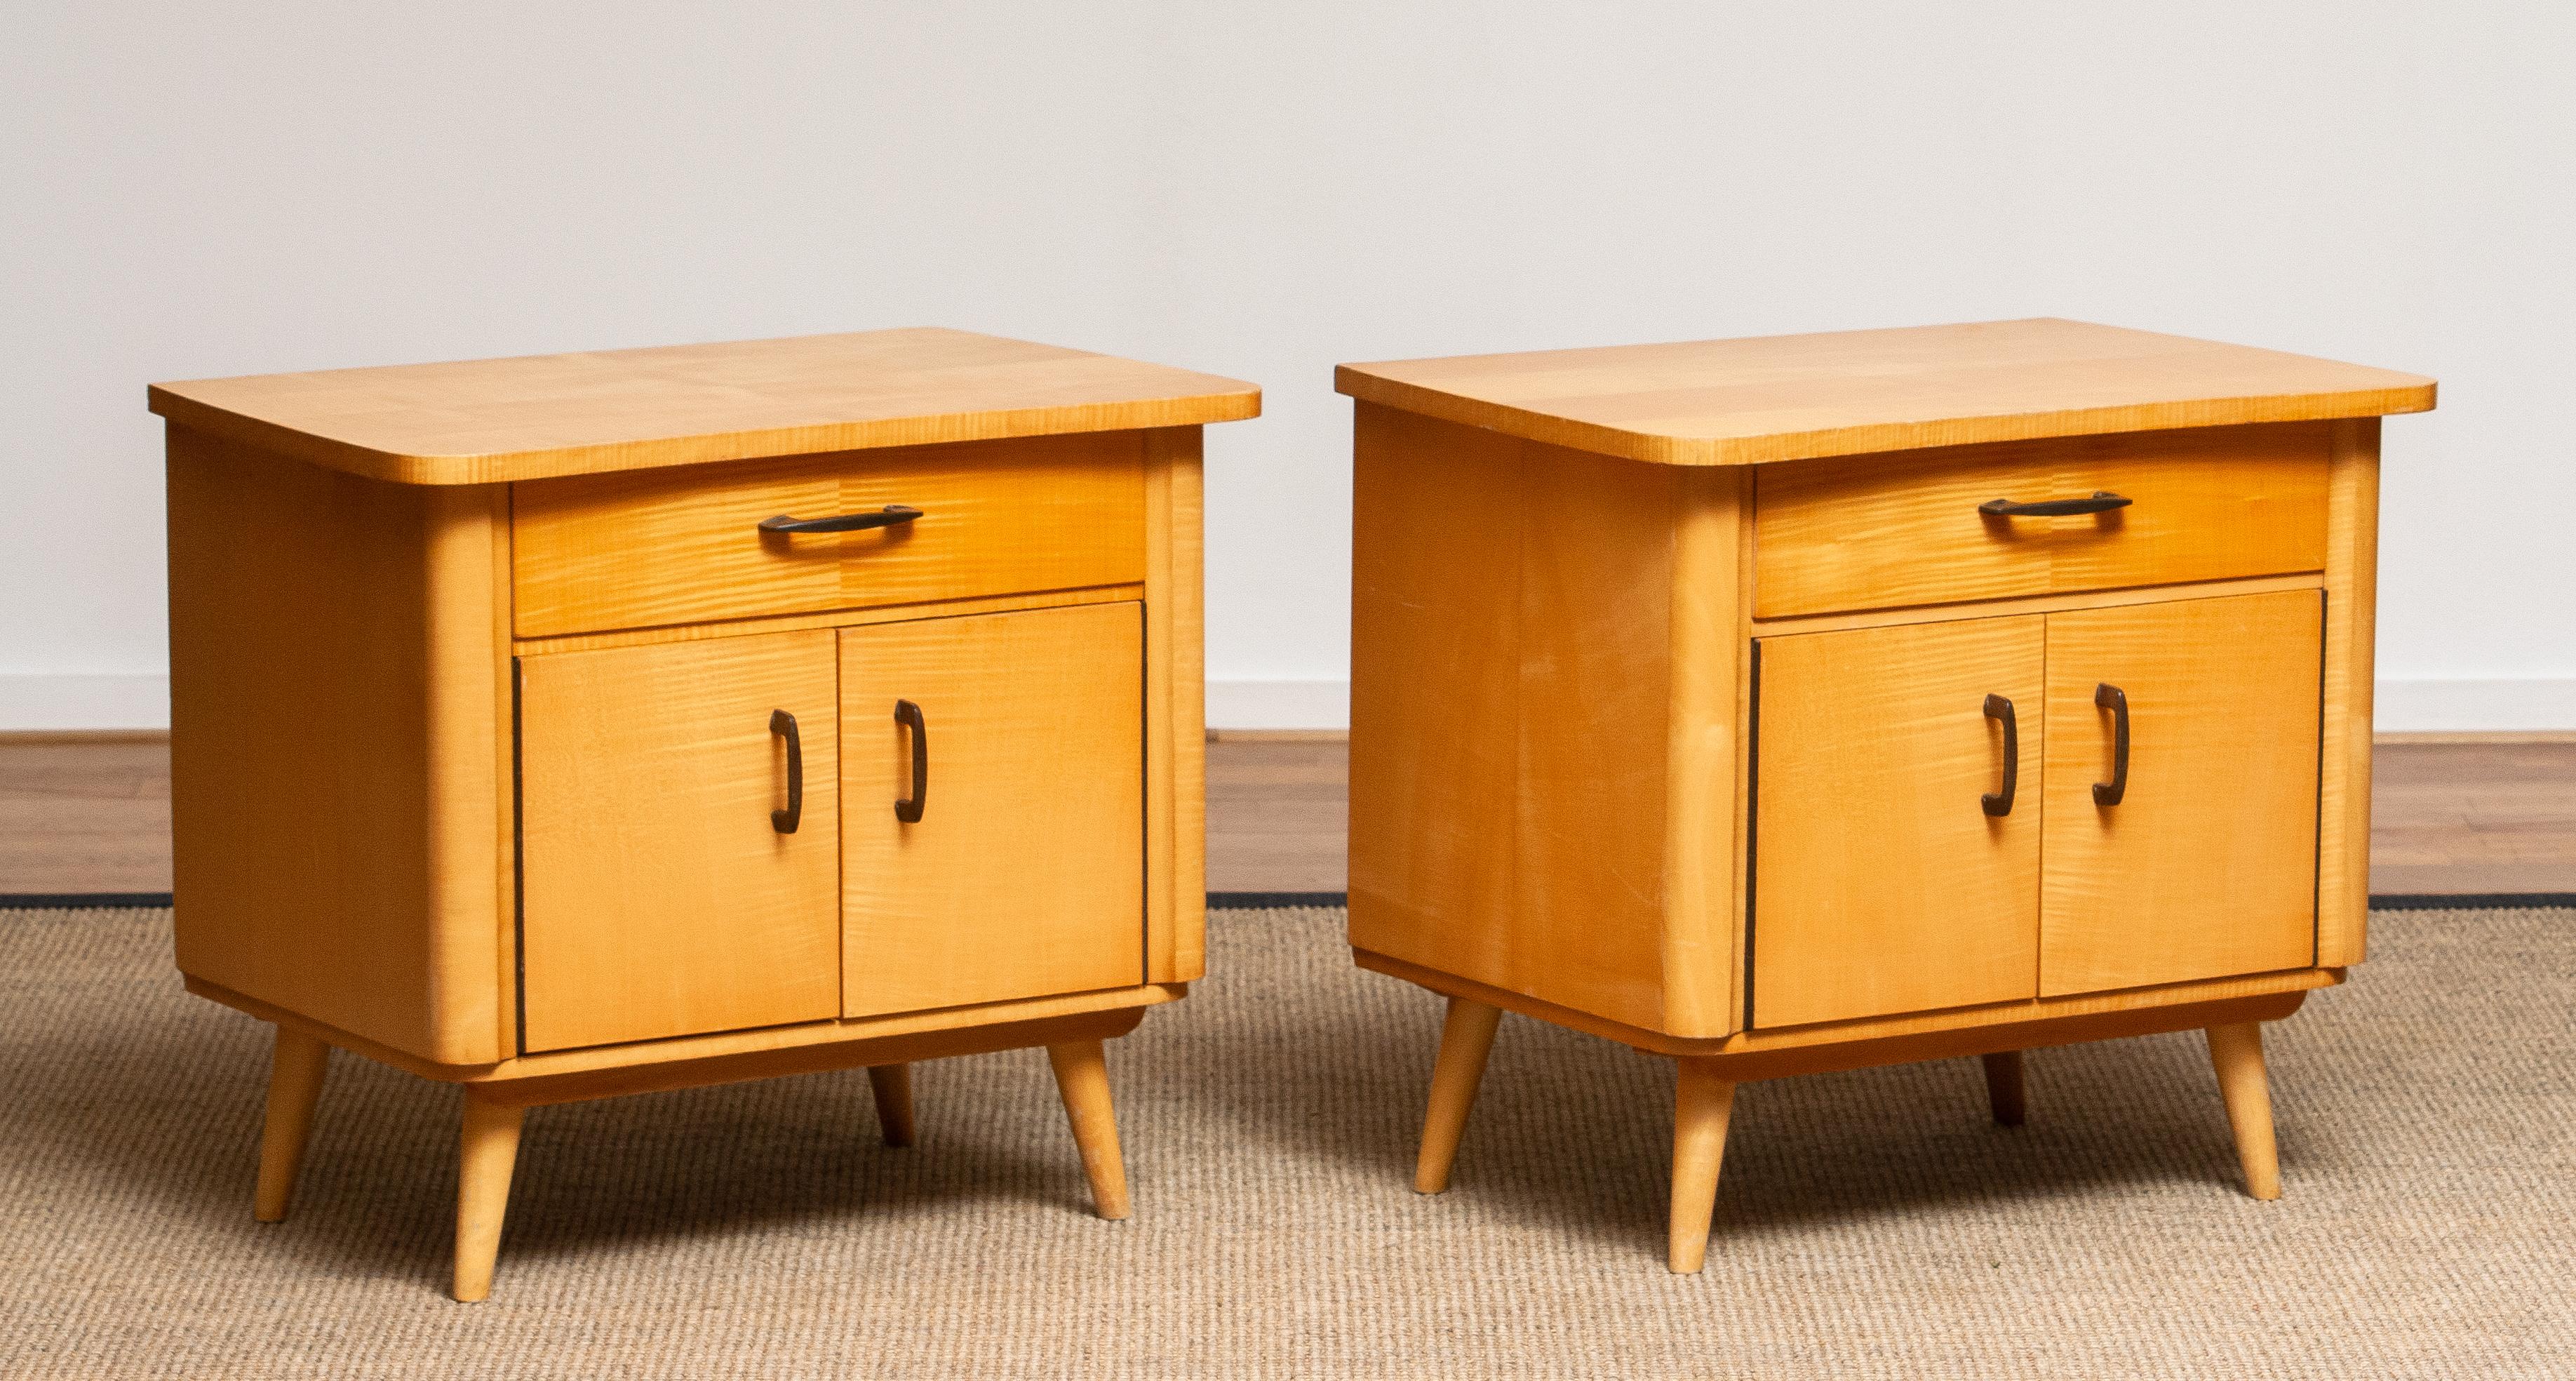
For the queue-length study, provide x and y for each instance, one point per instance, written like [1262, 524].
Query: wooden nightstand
[592, 724]
[1821, 701]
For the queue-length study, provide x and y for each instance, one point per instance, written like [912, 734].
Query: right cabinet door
[2199, 860]
[993, 818]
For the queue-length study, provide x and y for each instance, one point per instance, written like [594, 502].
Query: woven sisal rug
[1869, 1225]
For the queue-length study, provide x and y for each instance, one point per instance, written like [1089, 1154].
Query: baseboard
[1305, 705]
[2521, 705]
[43, 703]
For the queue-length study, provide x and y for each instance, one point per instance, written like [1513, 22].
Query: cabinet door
[1024, 874]
[1881, 883]
[660, 896]
[2207, 866]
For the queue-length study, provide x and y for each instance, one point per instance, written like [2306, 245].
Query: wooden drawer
[644, 548]
[1872, 532]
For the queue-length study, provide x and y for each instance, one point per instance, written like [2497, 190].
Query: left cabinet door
[664, 893]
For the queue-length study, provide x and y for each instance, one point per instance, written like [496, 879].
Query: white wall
[1262, 190]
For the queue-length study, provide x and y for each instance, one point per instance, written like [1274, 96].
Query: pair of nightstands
[593, 724]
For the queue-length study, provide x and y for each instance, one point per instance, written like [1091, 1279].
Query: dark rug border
[1254, 901]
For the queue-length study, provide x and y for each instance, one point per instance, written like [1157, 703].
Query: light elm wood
[1703, 1098]
[339, 698]
[487, 1153]
[1773, 398]
[534, 608]
[2344, 758]
[2219, 818]
[1596, 588]
[1876, 754]
[2208, 503]
[661, 899]
[1176, 882]
[2006, 1096]
[649, 548]
[1435, 695]
[537, 416]
[2134, 1012]
[891, 1085]
[1712, 760]
[1466, 1039]
[1082, 1079]
[1025, 873]
[2034, 604]
[2236, 1052]
[294, 1087]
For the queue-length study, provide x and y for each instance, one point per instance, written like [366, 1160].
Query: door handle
[785, 821]
[2000, 802]
[2103, 501]
[2110, 697]
[888, 516]
[908, 809]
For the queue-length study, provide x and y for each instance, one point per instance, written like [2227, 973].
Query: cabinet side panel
[1708, 667]
[1596, 623]
[2343, 761]
[1435, 692]
[334, 793]
[1175, 712]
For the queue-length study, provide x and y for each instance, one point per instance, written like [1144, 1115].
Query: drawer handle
[2110, 697]
[908, 809]
[888, 516]
[785, 821]
[2000, 802]
[2103, 501]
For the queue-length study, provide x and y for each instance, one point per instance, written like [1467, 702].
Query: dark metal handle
[888, 516]
[785, 821]
[908, 809]
[2000, 802]
[2103, 501]
[2110, 697]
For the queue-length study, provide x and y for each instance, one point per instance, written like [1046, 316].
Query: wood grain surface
[1881, 885]
[659, 547]
[340, 710]
[487, 421]
[1742, 402]
[2207, 866]
[2206, 504]
[1024, 875]
[660, 899]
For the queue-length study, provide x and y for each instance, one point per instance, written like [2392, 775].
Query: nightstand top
[1745, 402]
[485, 421]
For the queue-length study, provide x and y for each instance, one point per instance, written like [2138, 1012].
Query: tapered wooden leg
[1702, 1099]
[487, 1151]
[1082, 1078]
[892, 1085]
[1466, 1038]
[294, 1086]
[2236, 1052]
[2004, 1088]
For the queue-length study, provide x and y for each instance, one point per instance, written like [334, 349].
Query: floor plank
[2449, 817]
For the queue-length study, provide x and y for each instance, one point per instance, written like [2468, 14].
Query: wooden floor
[2449, 817]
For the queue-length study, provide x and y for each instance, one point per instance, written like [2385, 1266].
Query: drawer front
[1881, 532]
[647, 548]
